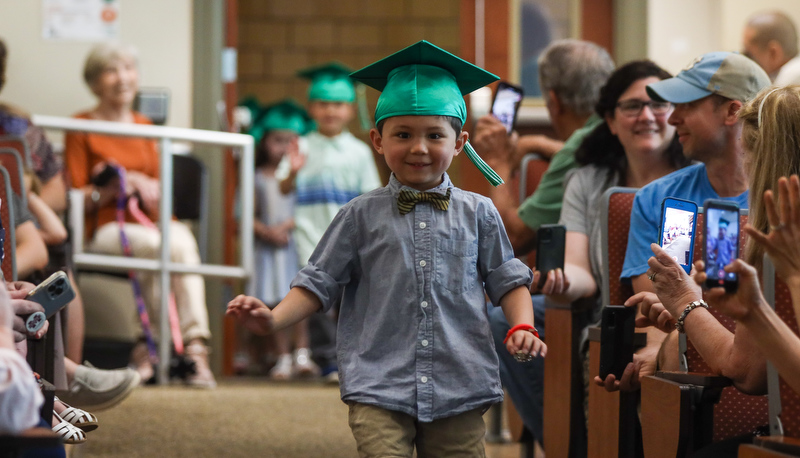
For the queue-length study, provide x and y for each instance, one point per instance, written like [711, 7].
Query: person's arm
[51, 228]
[538, 144]
[291, 163]
[31, 251]
[54, 193]
[298, 305]
[518, 309]
[494, 145]
[733, 355]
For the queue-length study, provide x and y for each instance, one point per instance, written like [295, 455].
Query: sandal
[68, 432]
[84, 420]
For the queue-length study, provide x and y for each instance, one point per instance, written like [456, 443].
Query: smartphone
[53, 294]
[678, 222]
[505, 104]
[616, 339]
[551, 242]
[105, 176]
[721, 243]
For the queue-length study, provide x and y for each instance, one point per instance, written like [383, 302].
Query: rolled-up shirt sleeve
[500, 270]
[331, 265]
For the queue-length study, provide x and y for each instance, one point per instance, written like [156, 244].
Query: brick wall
[279, 37]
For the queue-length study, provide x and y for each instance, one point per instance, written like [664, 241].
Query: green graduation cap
[425, 80]
[329, 83]
[284, 115]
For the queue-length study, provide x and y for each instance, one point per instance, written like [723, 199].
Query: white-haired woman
[111, 72]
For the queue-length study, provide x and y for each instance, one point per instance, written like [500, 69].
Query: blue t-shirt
[689, 183]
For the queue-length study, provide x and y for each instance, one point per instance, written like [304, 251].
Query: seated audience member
[770, 137]
[571, 74]
[770, 39]
[709, 130]
[112, 75]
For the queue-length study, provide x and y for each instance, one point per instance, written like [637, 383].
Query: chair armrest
[696, 378]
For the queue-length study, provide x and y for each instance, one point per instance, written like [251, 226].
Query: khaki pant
[189, 289]
[387, 433]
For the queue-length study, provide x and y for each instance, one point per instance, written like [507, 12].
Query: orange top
[83, 151]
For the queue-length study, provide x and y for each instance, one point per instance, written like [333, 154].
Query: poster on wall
[80, 20]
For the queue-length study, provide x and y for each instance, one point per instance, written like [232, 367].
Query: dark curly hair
[601, 147]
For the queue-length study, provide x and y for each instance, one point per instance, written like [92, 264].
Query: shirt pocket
[457, 265]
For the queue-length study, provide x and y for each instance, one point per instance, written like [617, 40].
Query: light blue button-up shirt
[413, 331]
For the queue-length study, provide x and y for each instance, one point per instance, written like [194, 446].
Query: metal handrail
[165, 136]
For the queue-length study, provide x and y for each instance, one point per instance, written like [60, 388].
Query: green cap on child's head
[284, 115]
[423, 79]
[329, 83]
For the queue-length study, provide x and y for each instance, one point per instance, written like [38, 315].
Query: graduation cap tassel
[363, 114]
[487, 171]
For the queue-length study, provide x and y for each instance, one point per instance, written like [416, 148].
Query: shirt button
[423, 379]
[424, 343]
[424, 304]
[422, 225]
[423, 263]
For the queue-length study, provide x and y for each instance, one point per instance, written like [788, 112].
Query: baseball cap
[728, 74]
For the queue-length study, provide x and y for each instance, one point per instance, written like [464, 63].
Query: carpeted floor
[241, 418]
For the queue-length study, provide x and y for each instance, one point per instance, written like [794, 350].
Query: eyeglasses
[633, 108]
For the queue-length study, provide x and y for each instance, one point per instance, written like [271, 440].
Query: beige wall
[680, 30]
[44, 77]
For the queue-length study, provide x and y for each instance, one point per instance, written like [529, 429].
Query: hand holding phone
[677, 232]
[616, 340]
[721, 244]
[505, 104]
[53, 294]
[551, 243]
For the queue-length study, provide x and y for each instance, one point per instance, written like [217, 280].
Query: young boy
[331, 168]
[412, 259]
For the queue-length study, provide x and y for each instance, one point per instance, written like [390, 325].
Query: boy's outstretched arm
[299, 304]
[518, 309]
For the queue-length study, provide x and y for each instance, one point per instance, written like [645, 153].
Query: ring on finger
[778, 227]
[522, 356]
[652, 276]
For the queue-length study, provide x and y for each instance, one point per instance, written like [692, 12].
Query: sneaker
[304, 367]
[99, 389]
[197, 352]
[330, 374]
[282, 370]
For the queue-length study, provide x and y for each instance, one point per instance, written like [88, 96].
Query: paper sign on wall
[80, 20]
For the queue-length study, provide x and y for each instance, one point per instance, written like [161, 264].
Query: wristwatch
[95, 195]
[692, 305]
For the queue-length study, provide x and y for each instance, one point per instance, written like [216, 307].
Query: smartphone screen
[506, 104]
[678, 218]
[721, 243]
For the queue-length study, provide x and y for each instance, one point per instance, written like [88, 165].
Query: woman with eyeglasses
[633, 147]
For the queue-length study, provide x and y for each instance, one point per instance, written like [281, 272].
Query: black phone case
[616, 340]
[504, 85]
[551, 243]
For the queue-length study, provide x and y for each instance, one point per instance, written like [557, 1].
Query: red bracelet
[521, 327]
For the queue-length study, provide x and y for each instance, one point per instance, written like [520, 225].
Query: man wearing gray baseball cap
[707, 96]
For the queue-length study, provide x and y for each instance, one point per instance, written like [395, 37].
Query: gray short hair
[575, 70]
[774, 25]
[103, 55]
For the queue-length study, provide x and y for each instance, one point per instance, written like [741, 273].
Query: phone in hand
[551, 243]
[53, 294]
[105, 176]
[721, 243]
[678, 223]
[506, 102]
[616, 339]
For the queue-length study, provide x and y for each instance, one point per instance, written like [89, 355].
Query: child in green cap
[276, 130]
[331, 167]
[414, 261]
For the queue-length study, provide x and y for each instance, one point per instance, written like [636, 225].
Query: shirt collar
[395, 186]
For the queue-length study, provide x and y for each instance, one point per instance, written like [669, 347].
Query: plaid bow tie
[406, 200]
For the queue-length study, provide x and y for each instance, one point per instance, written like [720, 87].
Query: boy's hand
[525, 342]
[253, 313]
[296, 159]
